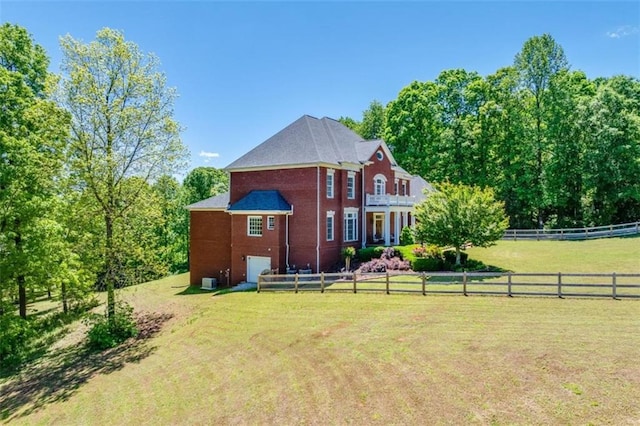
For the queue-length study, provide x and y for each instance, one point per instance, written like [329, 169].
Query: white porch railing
[390, 200]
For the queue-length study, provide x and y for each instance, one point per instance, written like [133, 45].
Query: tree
[122, 127]
[456, 215]
[539, 61]
[205, 182]
[373, 119]
[32, 135]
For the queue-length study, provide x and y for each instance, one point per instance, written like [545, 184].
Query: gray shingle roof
[260, 200]
[216, 202]
[418, 187]
[308, 140]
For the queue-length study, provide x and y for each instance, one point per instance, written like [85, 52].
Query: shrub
[419, 251]
[427, 264]
[368, 253]
[406, 236]
[386, 263]
[450, 257]
[388, 253]
[15, 335]
[107, 333]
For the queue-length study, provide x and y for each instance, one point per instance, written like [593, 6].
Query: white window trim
[331, 216]
[249, 226]
[376, 178]
[331, 183]
[271, 223]
[351, 176]
[348, 212]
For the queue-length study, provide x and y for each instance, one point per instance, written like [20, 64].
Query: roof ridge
[334, 143]
[313, 136]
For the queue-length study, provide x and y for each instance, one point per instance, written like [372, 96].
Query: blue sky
[245, 70]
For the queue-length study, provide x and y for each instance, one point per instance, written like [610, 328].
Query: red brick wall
[378, 167]
[298, 187]
[210, 244]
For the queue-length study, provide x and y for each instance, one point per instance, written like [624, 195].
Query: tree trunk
[457, 256]
[110, 265]
[63, 290]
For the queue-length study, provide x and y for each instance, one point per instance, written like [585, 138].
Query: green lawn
[283, 358]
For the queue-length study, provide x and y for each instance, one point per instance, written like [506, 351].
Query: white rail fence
[573, 233]
[613, 285]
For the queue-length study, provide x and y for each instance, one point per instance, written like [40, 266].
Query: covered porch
[382, 225]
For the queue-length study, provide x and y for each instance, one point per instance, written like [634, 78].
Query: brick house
[297, 200]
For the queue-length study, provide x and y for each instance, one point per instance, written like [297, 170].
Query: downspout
[318, 218]
[286, 237]
[364, 214]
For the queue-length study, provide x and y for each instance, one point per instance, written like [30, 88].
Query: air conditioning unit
[209, 283]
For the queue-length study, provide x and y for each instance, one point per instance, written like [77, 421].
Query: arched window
[379, 184]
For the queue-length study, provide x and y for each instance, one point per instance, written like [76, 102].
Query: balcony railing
[390, 200]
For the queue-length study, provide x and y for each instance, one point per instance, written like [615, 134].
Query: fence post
[613, 286]
[424, 284]
[610, 230]
[354, 281]
[296, 283]
[560, 285]
[509, 284]
[387, 282]
[321, 282]
[464, 282]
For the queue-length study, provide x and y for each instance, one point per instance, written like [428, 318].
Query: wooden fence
[573, 233]
[616, 286]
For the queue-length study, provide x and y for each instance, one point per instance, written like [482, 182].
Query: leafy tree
[373, 119]
[205, 182]
[350, 123]
[122, 127]
[32, 136]
[456, 215]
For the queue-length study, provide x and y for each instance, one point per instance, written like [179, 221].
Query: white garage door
[255, 265]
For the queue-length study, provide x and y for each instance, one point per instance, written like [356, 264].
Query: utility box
[209, 284]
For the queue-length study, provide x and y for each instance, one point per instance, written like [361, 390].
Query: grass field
[342, 358]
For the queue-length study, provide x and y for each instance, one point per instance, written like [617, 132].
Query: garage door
[255, 265]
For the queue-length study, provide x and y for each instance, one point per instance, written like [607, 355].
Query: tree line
[559, 149]
[88, 158]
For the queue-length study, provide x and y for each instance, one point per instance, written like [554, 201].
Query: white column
[405, 219]
[396, 235]
[387, 228]
[413, 220]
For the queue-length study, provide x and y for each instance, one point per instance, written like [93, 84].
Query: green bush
[368, 253]
[450, 257]
[421, 264]
[107, 333]
[15, 337]
[406, 236]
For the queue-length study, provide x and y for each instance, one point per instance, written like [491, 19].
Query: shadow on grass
[58, 375]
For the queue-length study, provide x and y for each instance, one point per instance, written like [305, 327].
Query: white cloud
[209, 154]
[623, 31]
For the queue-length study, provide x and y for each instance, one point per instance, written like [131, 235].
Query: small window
[395, 187]
[330, 183]
[330, 227]
[271, 223]
[404, 188]
[254, 224]
[351, 186]
[379, 155]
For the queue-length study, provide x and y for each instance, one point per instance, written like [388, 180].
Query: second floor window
[351, 186]
[329, 183]
[254, 225]
[271, 223]
[379, 183]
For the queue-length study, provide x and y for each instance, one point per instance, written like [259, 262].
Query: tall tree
[32, 135]
[539, 61]
[205, 182]
[373, 119]
[122, 127]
